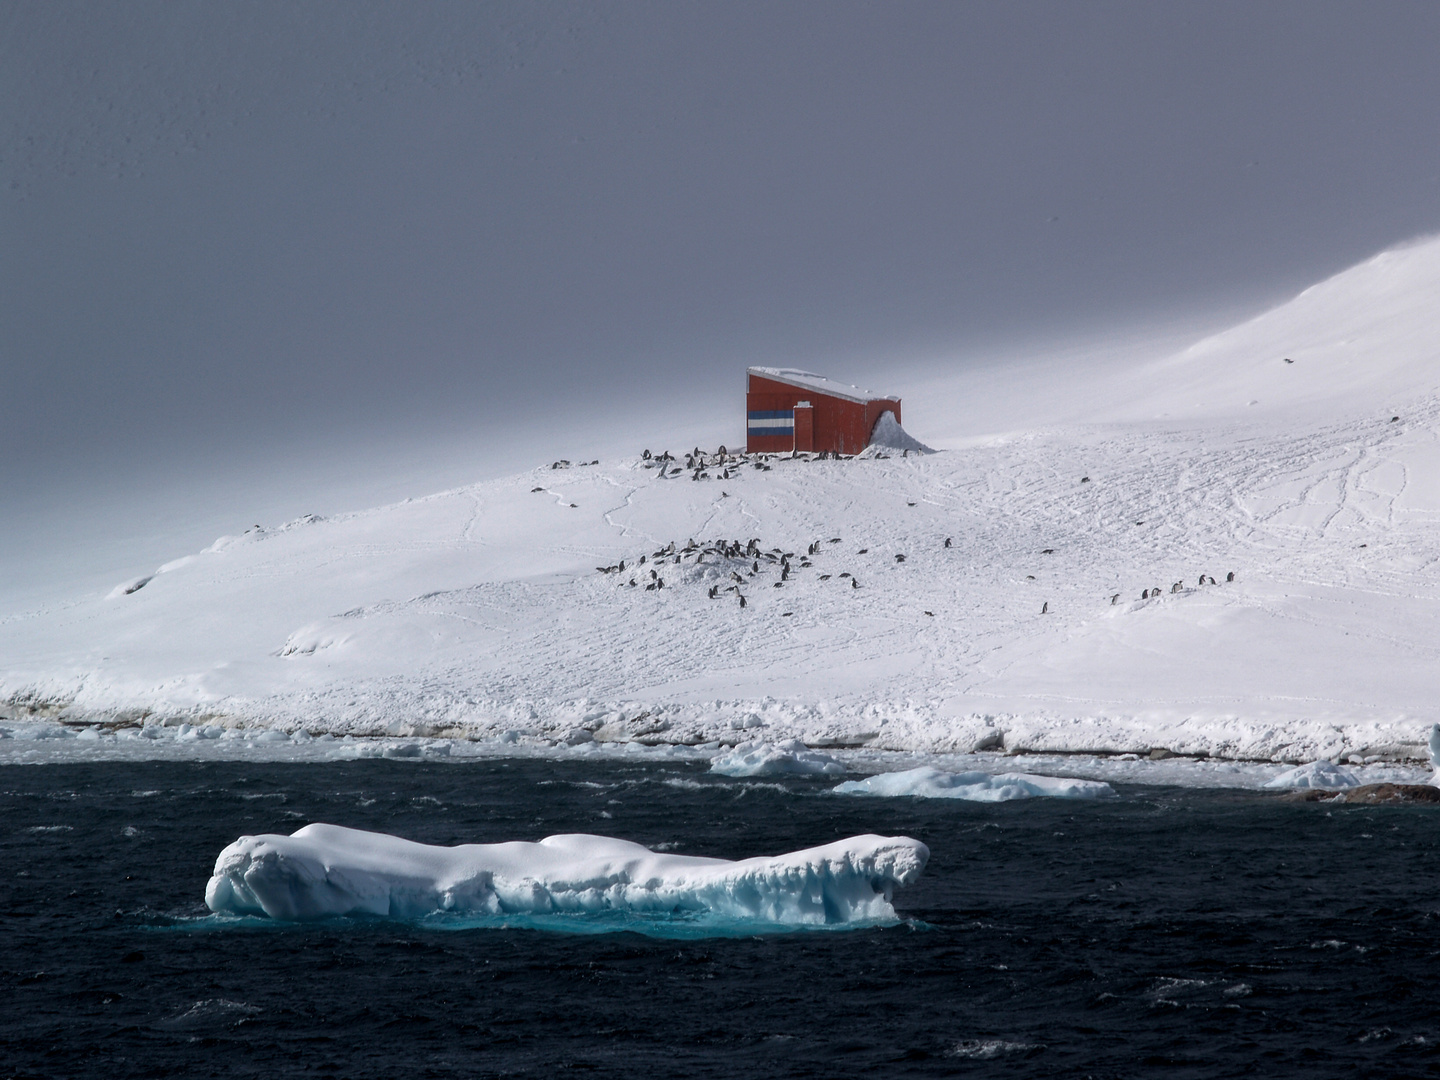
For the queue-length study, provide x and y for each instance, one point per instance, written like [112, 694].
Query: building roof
[808, 380]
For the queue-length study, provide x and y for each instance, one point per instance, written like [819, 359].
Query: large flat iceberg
[327, 870]
[932, 783]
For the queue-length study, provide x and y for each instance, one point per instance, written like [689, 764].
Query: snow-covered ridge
[325, 870]
[1041, 592]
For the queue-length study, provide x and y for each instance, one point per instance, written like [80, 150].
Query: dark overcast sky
[228, 227]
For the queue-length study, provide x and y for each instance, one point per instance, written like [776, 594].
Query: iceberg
[323, 871]
[788, 758]
[931, 783]
[1322, 775]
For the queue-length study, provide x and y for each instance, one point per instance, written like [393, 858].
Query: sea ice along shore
[324, 871]
[1056, 584]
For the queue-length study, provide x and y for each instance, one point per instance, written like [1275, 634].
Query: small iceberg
[931, 783]
[1319, 775]
[323, 871]
[788, 758]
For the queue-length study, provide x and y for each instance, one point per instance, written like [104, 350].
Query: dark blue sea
[1167, 933]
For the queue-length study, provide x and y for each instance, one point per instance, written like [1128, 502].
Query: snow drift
[932, 783]
[889, 435]
[326, 870]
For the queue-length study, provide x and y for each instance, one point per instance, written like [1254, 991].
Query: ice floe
[327, 870]
[1322, 775]
[931, 783]
[788, 758]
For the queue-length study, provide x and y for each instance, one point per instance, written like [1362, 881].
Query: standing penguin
[1045, 608]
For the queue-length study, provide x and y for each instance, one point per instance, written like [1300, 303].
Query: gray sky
[236, 238]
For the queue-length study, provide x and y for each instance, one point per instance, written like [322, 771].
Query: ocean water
[1168, 933]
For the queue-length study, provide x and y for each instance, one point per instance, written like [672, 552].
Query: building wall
[840, 426]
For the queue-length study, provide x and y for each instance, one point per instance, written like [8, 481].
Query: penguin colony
[743, 562]
[748, 555]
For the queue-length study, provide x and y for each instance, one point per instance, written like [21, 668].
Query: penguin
[1145, 595]
[755, 569]
[1178, 587]
[862, 551]
[1230, 576]
[947, 541]
[742, 601]
[660, 583]
[1045, 608]
[854, 584]
[824, 577]
[899, 558]
[714, 591]
[779, 584]
[1114, 599]
[846, 573]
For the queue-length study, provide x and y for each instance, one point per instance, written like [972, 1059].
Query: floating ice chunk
[327, 870]
[1434, 746]
[1318, 774]
[788, 758]
[932, 783]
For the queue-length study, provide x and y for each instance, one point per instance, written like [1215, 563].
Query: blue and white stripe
[771, 421]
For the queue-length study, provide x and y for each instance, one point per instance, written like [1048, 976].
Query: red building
[789, 410]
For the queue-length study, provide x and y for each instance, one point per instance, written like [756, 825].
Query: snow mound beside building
[888, 435]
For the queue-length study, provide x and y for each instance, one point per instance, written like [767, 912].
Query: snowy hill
[1298, 451]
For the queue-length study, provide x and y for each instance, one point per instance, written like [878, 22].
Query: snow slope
[481, 611]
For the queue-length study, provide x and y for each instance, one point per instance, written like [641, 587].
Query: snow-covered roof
[810, 381]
